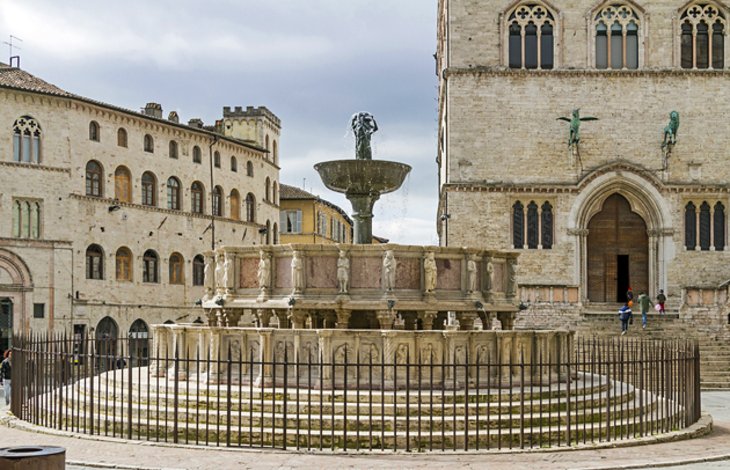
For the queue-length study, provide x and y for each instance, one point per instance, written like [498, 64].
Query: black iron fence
[605, 390]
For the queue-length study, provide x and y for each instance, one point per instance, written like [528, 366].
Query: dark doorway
[79, 343]
[6, 323]
[622, 277]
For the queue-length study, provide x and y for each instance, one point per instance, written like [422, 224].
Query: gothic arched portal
[618, 252]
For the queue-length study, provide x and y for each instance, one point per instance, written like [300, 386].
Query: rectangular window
[291, 221]
[16, 147]
[39, 310]
[26, 147]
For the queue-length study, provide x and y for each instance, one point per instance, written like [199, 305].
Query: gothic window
[234, 164]
[173, 149]
[704, 226]
[198, 270]
[124, 264]
[197, 196]
[149, 189]
[617, 37]
[268, 232]
[217, 159]
[532, 226]
[235, 203]
[531, 40]
[547, 226]
[518, 227]
[702, 36]
[276, 233]
[94, 262]
[150, 266]
[250, 208]
[267, 145]
[94, 175]
[122, 137]
[173, 193]
[690, 226]
[276, 153]
[267, 189]
[94, 131]
[249, 168]
[719, 226]
[123, 184]
[197, 155]
[27, 218]
[218, 201]
[176, 268]
[149, 143]
[26, 140]
[274, 192]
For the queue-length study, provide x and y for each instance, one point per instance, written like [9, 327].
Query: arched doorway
[6, 323]
[138, 343]
[107, 332]
[618, 252]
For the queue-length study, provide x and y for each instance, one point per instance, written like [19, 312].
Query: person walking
[645, 304]
[660, 299]
[6, 370]
[624, 314]
[630, 297]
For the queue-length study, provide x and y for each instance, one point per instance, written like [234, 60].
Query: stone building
[107, 212]
[619, 204]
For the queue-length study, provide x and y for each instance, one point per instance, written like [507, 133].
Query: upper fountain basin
[362, 176]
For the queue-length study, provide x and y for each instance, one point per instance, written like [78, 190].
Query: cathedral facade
[591, 138]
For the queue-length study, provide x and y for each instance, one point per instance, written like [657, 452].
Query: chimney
[196, 122]
[153, 109]
[173, 117]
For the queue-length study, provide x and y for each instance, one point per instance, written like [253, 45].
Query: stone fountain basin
[362, 176]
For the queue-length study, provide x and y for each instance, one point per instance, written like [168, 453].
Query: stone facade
[48, 265]
[500, 142]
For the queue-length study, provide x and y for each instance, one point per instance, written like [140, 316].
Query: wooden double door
[618, 252]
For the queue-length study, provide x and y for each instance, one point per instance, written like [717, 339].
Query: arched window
[173, 193]
[268, 232]
[267, 144]
[235, 202]
[173, 149]
[123, 184]
[518, 225]
[94, 262]
[124, 264]
[150, 267]
[197, 197]
[94, 131]
[547, 226]
[531, 37]
[149, 143]
[106, 344]
[249, 168]
[705, 226]
[217, 159]
[719, 226]
[122, 137]
[268, 189]
[26, 140]
[197, 155]
[94, 175]
[250, 208]
[690, 226]
[276, 153]
[533, 237]
[198, 270]
[702, 36]
[274, 192]
[617, 37]
[234, 164]
[217, 206]
[139, 343]
[275, 233]
[176, 266]
[149, 189]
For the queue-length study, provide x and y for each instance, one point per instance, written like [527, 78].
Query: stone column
[507, 319]
[215, 345]
[343, 318]
[325, 350]
[281, 316]
[386, 319]
[466, 320]
[504, 354]
[160, 338]
[427, 318]
[264, 317]
[297, 318]
[265, 356]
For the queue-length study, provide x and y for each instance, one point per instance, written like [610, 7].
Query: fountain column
[362, 206]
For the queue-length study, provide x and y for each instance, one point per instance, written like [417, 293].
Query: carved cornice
[500, 71]
[35, 166]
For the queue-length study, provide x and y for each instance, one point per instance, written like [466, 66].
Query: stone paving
[709, 453]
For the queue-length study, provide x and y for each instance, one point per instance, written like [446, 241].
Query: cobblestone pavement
[84, 454]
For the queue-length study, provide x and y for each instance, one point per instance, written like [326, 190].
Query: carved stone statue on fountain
[343, 272]
[363, 126]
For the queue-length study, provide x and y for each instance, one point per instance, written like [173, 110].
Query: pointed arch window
[250, 208]
[276, 233]
[617, 37]
[26, 140]
[546, 226]
[122, 137]
[702, 36]
[217, 201]
[249, 168]
[532, 225]
[124, 264]
[94, 131]
[173, 149]
[176, 267]
[149, 189]
[274, 192]
[533, 236]
[531, 41]
[718, 219]
[705, 226]
[197, 196]
[197, 155]
[173, 193]
[518, 225]
[94, 184]
[150, 266]
[234, 164]
[217, 159]
[149, 143]
[267, 189]
[276, 152]
[198, 270]
[123, 184]
[690, 226]
[94, 262]
[235, 203]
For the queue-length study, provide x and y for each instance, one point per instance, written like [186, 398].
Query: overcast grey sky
[312, 62]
